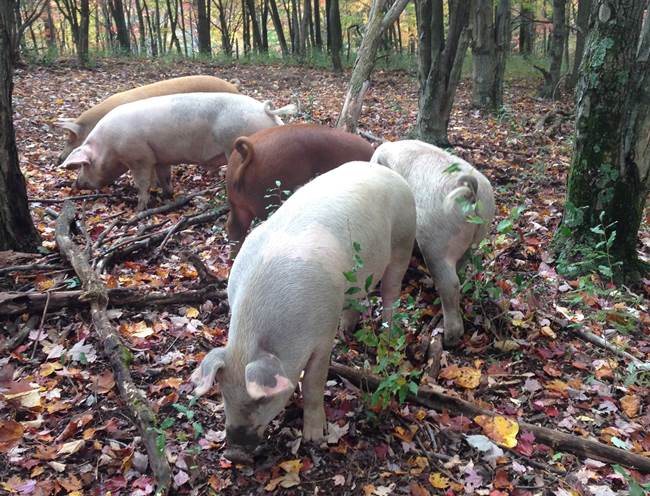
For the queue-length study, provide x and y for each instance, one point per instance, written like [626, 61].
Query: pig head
[93, 173]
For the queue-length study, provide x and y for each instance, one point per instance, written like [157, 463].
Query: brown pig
[79, 128]
[291, 155]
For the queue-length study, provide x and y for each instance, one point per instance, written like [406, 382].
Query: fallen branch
[179, 202]
[29, 268]
[145, 242]
[46, 201]
[14, 303]
[205, 275]
[95, 292]
[371, 137]
[430, 398]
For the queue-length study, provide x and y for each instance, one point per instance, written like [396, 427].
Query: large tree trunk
[484, 55]
[365, 61]
[439, 65]
[526, 29]
[117, 10]
[17, 230]
[582, 24]
[609, 177]
[334, 34]
[549, 89]
[277, 24]
[203, 28]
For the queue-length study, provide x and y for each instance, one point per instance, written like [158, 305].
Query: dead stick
[28, 268]
[21, 334]
[19, 303]
[70, 198]
[169, 234]
[40, 326]
[114, 350]
[558, 440]
[179, 202]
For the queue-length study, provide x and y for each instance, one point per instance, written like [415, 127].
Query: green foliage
[277, 196]
[389, 342]
[635, 489]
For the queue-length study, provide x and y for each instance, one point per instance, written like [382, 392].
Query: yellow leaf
[557, 385]
[291, 466]
[548, 332]
[420, 414]
[630, 404]
[49, 368]
[468, 377]
[46, 284]
[59, 101]
[420, 463]
[506, 345]
[438, 480]
[191, 313]
[500, 429]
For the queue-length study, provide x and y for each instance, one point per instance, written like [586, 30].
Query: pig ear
[71, 126]
[266, 377]
[78, 158]
[203, 375]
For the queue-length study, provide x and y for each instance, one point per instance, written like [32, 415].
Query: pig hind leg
[164, 176]
[446, 279]
[391, 281]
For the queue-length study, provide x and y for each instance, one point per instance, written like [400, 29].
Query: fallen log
[436, 400]
[15, 303]
[95, 293]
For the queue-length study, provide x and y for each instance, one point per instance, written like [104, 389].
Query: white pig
[442, 185]
[148, 136]
[287, 291]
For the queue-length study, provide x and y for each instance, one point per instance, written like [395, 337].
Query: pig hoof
[238, 455]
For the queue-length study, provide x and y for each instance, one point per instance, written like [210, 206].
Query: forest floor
[520, 355]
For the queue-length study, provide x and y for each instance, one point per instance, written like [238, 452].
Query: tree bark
[440, 62]
[549, 89]
[224, 28]
[526, 29]
[334, 34]
[609, 176]
[257, 35]
[277, 24]
[365, 61]
[17, 231]
[304, 28]
[484, 56]
[117, 10]
[318, 41]
[582, 24]
[203, 28]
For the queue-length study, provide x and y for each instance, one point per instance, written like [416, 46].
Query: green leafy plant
[389, 342]
[277, 195]
[168, 422]
[635, 488]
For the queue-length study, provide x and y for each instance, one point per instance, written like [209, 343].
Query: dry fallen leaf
[630, 404]
[11, 432]
[438, 480]
[501, 430]
[466, 377]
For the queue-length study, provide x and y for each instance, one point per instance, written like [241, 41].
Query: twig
[95, 293]
[205, 275]
[179, 202]
[46, 201]
[559, 440]
[105, 232]
[169, 234]
[29, 268]
[40, 326]
[371, 137]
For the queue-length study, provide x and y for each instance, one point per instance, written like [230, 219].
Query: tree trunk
[440, 64]
[295, 30]
[334, 34]
[526, 29]
[484, 55]
[549, 89]
[365, 61]
[503, 26]
[17, 230]
[318, 42]
[264, 25]
[582, 24]
[257, 36]
[183, 29]
[609, 177]
[141, 27]
[226, 44]
[277, 24]
[203, 28]
[304, 28]
[117, 10]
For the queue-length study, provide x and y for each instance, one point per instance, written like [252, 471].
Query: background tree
[203, 27]
[490, 40]
[334, 33]
[609, 176]
[440, 61]
[123, 35]
[17, 230]
[582, 24]
[552, 76]
[77, 13]
[377, 24]
[526, 27]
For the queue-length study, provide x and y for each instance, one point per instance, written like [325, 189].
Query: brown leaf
[11, 432]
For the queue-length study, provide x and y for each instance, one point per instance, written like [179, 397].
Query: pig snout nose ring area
[237, 454]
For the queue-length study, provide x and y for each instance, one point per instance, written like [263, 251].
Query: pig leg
[313, 386]
[349, 320]
[391, 283]
[164, 175]
[448, 286]
[143, 176]
[239, 220]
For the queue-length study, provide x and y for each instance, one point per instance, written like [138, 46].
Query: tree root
[95, 293]
[430, 398]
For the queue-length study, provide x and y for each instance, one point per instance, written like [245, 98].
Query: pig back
[355, 203]
[291, 155]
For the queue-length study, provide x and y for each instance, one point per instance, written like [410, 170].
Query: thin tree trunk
[17, 230]
[526, 29]
[265, 23]
[440, 64]
[203, 28]
[141, 27]
[550, 88]
[609, 177]
[582, 24]
[318, 42]
[277, 24]
[304, 27]
[183, 30]
[123, 38]
[334, 34]
[257, 35]
[484, 55]
[365, 61]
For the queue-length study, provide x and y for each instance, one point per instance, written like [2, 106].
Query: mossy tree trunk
[377, 24]
[440, 61]
[17, 230]
[609, 179]
[549, 89]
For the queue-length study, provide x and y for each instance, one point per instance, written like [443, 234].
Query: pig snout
[243, 437]
[238, 455]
